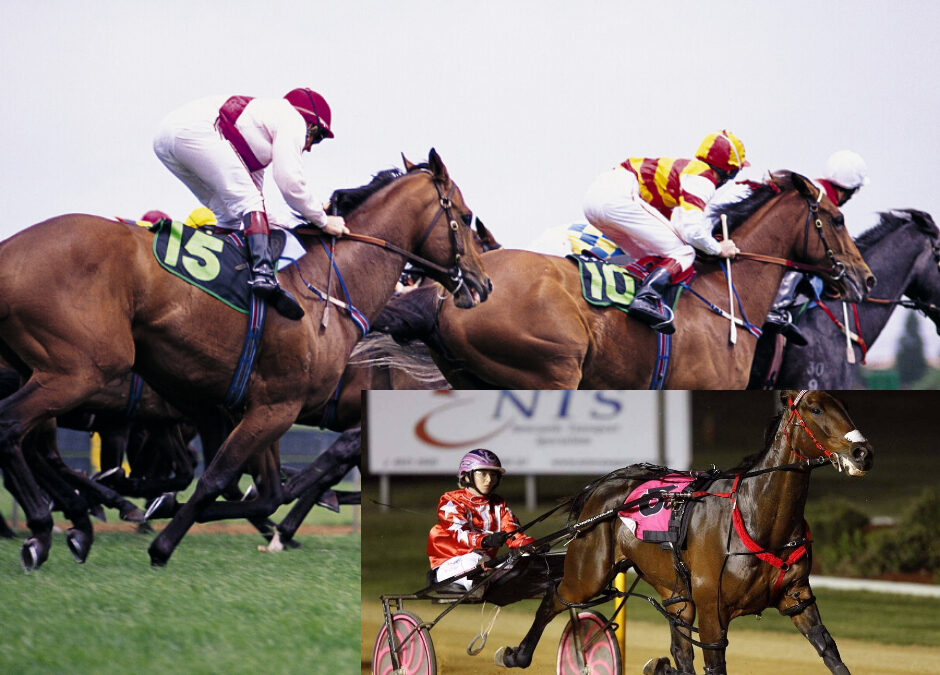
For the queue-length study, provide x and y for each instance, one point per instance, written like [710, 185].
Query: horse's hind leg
[40, 398]
[314, 479]
[257, 431]
[810, 624]
[521, 656]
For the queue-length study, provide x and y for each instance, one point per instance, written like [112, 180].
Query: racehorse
[747, 547]
[903, 251]
[537, 332]
[110, 308]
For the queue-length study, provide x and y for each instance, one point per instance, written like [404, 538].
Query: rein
[454, 273]
[836, 271]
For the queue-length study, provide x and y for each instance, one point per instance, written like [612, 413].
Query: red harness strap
[770, 558]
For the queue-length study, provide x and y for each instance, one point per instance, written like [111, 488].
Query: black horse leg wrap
[820, 638]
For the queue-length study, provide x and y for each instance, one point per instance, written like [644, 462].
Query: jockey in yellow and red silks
[656, 207]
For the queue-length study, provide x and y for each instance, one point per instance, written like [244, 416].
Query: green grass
[218, 607]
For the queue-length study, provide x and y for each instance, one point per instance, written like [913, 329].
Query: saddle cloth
[657, 520]
[215, 264]
[614, 283]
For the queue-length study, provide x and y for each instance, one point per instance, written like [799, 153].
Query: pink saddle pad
[653, 516]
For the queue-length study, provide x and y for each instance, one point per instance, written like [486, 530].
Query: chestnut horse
[747, 549]
[108, 307]
[537, 332]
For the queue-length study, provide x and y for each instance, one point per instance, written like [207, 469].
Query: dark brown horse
[83, 300]
[537, 332]
[742, 555]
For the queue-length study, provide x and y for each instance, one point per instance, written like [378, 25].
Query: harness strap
[664, 352]
[768, 557]
[246, 361]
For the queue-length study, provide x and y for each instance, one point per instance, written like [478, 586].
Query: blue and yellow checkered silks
[587, 238]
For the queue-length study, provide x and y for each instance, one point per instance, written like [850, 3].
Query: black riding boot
[779, 319]
[263, 282]
[648, 305]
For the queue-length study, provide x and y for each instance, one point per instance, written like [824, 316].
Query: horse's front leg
[253, 435]
[809, 623]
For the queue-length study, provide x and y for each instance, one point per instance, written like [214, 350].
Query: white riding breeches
[209, 166]
[613, 201]
[458, 565]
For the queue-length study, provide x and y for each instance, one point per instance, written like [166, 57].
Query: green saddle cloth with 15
[215, 264]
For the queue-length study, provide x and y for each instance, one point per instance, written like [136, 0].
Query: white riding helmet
[847, 170]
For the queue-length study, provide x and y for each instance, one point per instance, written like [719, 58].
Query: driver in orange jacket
[473, 522]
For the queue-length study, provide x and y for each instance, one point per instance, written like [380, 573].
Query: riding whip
[849, 352]
[733, 337]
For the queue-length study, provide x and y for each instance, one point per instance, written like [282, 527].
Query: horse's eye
[816, 411]
[838, 221]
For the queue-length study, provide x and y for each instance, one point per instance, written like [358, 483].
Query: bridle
[453, 273]
[793, 405]
[836, 271]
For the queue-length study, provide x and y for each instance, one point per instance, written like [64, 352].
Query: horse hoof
[656, 666]
[158, 557]
[97, 511]
[134, 515]
[79, 544]
[499, 658]
[507, 657]
[31, 554]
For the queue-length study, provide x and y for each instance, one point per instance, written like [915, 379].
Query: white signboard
[533, 432]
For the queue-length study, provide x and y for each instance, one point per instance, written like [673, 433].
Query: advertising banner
[533, 432]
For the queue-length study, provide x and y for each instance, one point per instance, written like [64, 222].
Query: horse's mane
[739, 211]
[894, 219]
[345, 201]
[770, 433]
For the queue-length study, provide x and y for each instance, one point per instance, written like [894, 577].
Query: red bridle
[794, 413]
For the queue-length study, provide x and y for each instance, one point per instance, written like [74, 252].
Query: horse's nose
[870, 281]
[863, 456]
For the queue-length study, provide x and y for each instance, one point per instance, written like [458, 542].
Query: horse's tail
[379, 350]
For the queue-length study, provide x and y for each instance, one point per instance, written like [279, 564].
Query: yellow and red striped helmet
[722, 150]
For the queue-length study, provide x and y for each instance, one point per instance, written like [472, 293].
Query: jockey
[472, 522]
[220, 146]
[656, 206]
[846, 172]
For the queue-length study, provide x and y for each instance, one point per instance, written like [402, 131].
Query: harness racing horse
[747, 548]
[903, 251]
[537, 332]
[109, 307]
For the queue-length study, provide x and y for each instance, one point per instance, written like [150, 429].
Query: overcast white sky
[525, 101]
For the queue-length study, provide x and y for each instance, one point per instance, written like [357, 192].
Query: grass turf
[219, 606]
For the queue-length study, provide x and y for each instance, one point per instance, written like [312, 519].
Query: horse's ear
[786, 395]
[804, 186]
[437, 166]
[408, 165]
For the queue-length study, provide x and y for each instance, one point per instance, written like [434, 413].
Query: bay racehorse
[747, 547]
[903, 251]
[83, 300]
[537, 331]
